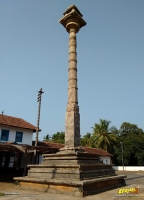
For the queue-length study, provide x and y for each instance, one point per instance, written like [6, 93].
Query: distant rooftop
[16, 122]
[90, 150]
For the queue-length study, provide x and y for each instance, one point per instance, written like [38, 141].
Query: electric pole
[122, 154]
[38, 118]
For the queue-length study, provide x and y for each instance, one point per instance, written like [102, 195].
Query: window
[3, 162]
[19, 136]
[8, 159]
[4, 135]
[11, 161]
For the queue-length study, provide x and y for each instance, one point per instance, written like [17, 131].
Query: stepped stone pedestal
[77, 174]
[71, 171]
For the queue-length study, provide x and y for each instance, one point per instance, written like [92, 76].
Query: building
[15, 138]
[17, 130]
[104, 155]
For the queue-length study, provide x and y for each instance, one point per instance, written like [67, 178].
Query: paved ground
[134, 179]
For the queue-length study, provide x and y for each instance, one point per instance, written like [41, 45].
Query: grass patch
[1, 194]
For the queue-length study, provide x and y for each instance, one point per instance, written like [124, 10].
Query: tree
[105, 137]
[133, 150]
[127, 128]
[86, 140]
[46, 138]
[132, 138]
[58, 137]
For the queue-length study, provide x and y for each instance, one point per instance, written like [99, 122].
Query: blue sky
[34, 54]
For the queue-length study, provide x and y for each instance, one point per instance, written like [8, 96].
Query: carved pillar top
[72, 19]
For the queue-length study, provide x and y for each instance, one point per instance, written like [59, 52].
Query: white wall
[27, 134]
[129, 168]
[106, 159]
[40, 158]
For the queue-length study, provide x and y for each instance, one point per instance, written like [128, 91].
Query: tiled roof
[49, 144]
[97, 151]
[16, 122]
[13, 147]
[54, 145]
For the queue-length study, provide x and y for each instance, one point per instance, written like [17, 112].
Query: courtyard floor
[8, 191]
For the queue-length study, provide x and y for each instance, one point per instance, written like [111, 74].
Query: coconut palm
[86, 140]
[46, 138]
[104, 137]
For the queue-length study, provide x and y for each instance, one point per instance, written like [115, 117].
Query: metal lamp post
[122, 154]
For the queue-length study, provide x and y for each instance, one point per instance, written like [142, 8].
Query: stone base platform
[73, 188]
[70, 166]
[77, 174]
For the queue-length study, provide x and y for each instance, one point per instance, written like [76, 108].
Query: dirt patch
[6, 186]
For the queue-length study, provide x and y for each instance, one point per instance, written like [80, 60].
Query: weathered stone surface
[70, 187]
[75, 166]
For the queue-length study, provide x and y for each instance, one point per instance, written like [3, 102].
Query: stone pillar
[72, 21]
[72, 121]
[71, 171]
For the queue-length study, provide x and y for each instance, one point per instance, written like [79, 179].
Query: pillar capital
[72, 19]
[72, 26]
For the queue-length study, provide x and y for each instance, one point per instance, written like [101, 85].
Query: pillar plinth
[72, 21]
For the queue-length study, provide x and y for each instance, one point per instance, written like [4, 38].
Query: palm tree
[46, 138]
[104, 137]
[86, 140]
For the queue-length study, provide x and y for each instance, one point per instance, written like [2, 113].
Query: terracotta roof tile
[97, 151]
[49, 144]
[16, 122]
[54, 145]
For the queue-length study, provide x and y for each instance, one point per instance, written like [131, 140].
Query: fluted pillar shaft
[72, 79]
[72, 123]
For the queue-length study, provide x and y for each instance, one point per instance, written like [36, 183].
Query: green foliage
[132, 139]
[86, 140]
[127, 128]
[58, 137]
[133, 150]
[104, 136]
[46, 138]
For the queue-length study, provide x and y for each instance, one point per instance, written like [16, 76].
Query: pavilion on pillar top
[71, 15]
